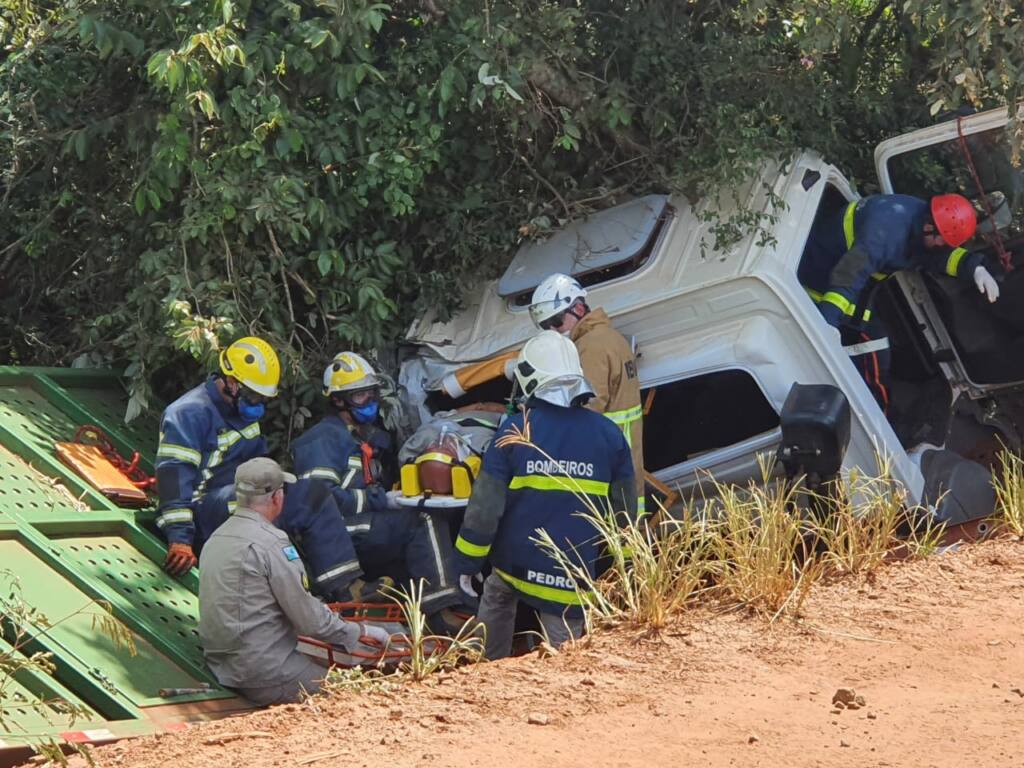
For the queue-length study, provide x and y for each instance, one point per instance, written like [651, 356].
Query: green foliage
[322, 171]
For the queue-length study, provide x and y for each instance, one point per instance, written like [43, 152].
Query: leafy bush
[322, 171]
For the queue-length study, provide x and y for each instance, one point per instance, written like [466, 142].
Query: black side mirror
[815, 422]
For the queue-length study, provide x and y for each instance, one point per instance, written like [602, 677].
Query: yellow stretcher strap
[444, 458]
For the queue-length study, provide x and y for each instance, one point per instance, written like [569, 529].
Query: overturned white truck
[722, 335]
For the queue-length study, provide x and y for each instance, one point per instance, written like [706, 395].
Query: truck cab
[724, 329]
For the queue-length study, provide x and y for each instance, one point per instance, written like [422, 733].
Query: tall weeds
[761, 552]
[430, 653]
[761, 547]
[653, 573]
[1009, 486]
[862, 520]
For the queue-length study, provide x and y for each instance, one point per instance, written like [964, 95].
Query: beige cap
[257, 477]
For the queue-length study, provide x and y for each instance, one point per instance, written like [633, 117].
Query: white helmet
[548, 367]
[555, 294]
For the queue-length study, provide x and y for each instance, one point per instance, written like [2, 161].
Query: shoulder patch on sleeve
[290, 552]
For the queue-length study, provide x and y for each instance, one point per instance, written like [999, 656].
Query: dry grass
[653, 574]
[761, 547]
[868, 520]
[432, 653]
[762, 551]
[1009, 486]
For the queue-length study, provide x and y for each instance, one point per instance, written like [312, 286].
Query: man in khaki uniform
[559, 304]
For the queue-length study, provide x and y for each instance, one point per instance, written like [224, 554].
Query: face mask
[250, 411]
[364, 414]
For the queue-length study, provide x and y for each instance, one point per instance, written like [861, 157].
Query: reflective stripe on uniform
[624, 420]
[179, 452]
[559, 483]
[361, 528]
[225, 441]
[335, 572]
[355, 466]
[846, 306]
[360, 500]
[435, 546]
[849, 232]
[435, 596]
[641, 506]
[174, 516]
[953, 262]
[321, 473]
[848, 229]
[551, 594]
[626, 416]
[471, 550]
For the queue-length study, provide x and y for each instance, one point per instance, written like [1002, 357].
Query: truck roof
[638, 254]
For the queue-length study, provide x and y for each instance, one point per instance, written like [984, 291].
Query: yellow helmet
[254, 363]
[349, 372]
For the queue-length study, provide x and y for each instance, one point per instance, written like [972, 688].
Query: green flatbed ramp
[73, 552]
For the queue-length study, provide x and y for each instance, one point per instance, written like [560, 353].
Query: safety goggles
[363, 396]
[251, 396]
[554, 322]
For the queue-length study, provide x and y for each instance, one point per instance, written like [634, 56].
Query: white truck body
[694, 311]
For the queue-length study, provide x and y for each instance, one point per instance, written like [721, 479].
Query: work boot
[449, 621]
[373, 591]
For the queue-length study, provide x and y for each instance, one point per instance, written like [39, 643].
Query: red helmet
[954, 218]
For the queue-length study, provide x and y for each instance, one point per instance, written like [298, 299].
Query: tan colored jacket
[610, 367]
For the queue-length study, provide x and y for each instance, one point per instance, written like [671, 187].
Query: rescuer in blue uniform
[849, 253]
[205, 435]
[535, 475]
[348, 452]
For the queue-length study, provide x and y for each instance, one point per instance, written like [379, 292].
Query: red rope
[90, 434]
[1004, 255]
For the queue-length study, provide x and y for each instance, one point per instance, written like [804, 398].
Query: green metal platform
[71, 548]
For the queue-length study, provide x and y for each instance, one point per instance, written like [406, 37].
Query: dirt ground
[936, 648]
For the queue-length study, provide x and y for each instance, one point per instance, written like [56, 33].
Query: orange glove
[180, 559]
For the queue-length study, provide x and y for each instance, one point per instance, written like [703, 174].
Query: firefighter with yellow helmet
[354, 456]
[204, 435]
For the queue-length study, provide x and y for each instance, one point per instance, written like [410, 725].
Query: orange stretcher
[94, 458]
[89, 462]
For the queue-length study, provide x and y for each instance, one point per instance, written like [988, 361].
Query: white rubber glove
[393, 497]
[373, 632]
[987, 284]
[466, 585]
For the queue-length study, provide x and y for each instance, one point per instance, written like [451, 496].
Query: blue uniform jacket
[588, 456]
[202, 441]
[868, 241]
[330, 452]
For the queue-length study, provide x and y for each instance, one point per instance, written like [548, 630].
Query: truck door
[979, 346]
